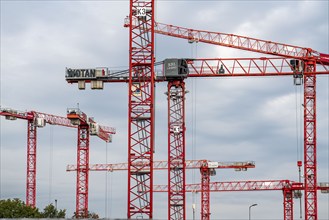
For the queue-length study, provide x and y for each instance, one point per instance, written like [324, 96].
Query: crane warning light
[299, 163]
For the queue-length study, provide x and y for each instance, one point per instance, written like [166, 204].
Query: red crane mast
[86, 127]
[141, 109]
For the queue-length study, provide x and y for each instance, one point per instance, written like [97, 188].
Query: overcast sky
[238, 119]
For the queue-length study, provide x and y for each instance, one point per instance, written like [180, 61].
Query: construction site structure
[163, 165]
[207, 169]
[289, 188]
[217, 68]
[303, 62]
[34, 120]
[86, 127]
[74, 119]
[302, 65]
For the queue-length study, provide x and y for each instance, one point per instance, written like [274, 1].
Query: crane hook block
[175, 68]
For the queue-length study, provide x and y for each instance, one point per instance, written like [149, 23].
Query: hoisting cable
[0, 156]
[328, 130]
[110, 195]
[106, 182]
[299, 124]
[0, 132]
[297, 127]
[51, 157]
[298, 135]
[194, 93]
[0, 147]
[328, 120]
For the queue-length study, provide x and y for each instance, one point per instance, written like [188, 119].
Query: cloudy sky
[228, 119]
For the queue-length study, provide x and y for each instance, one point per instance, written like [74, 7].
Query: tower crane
[75, 119]
[304, 62]
[86, 126]
[34, 120]
[212, 67]
[141, 79]
[207, 169]
[289, 188]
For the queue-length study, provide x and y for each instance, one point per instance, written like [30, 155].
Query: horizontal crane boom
[249, 185]
[163, 165]
[237, 42]
[219, 67]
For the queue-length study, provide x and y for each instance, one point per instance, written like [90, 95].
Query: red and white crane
[289, 188]
[207, 169]
[302, 64]
[163, 165]
[225, 67]
[34, 120]
[86, 127]
[75, 119]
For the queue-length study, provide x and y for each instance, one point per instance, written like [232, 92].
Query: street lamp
[250, 209]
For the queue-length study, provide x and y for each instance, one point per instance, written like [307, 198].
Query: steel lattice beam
[141, 109]
[205, 193]
[176, 150]
[31, 163]
[82, 172]
[310, 172]
[288, 203]
[241, 43]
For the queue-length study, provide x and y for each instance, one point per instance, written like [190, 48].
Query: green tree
[90, 215]
[16, 208]
[51, 212]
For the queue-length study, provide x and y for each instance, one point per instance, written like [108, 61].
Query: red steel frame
[141, 60]
[242, 43]
[82, 172]
[141, 109]
[176, 150]
[206, 187]
[31, 160]
[310, 172]
[31, 163]
[309, 56]
[288, 204]
[82, 188]
[205, 193]
[288, 187]
[178, 188]
[82, 155]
